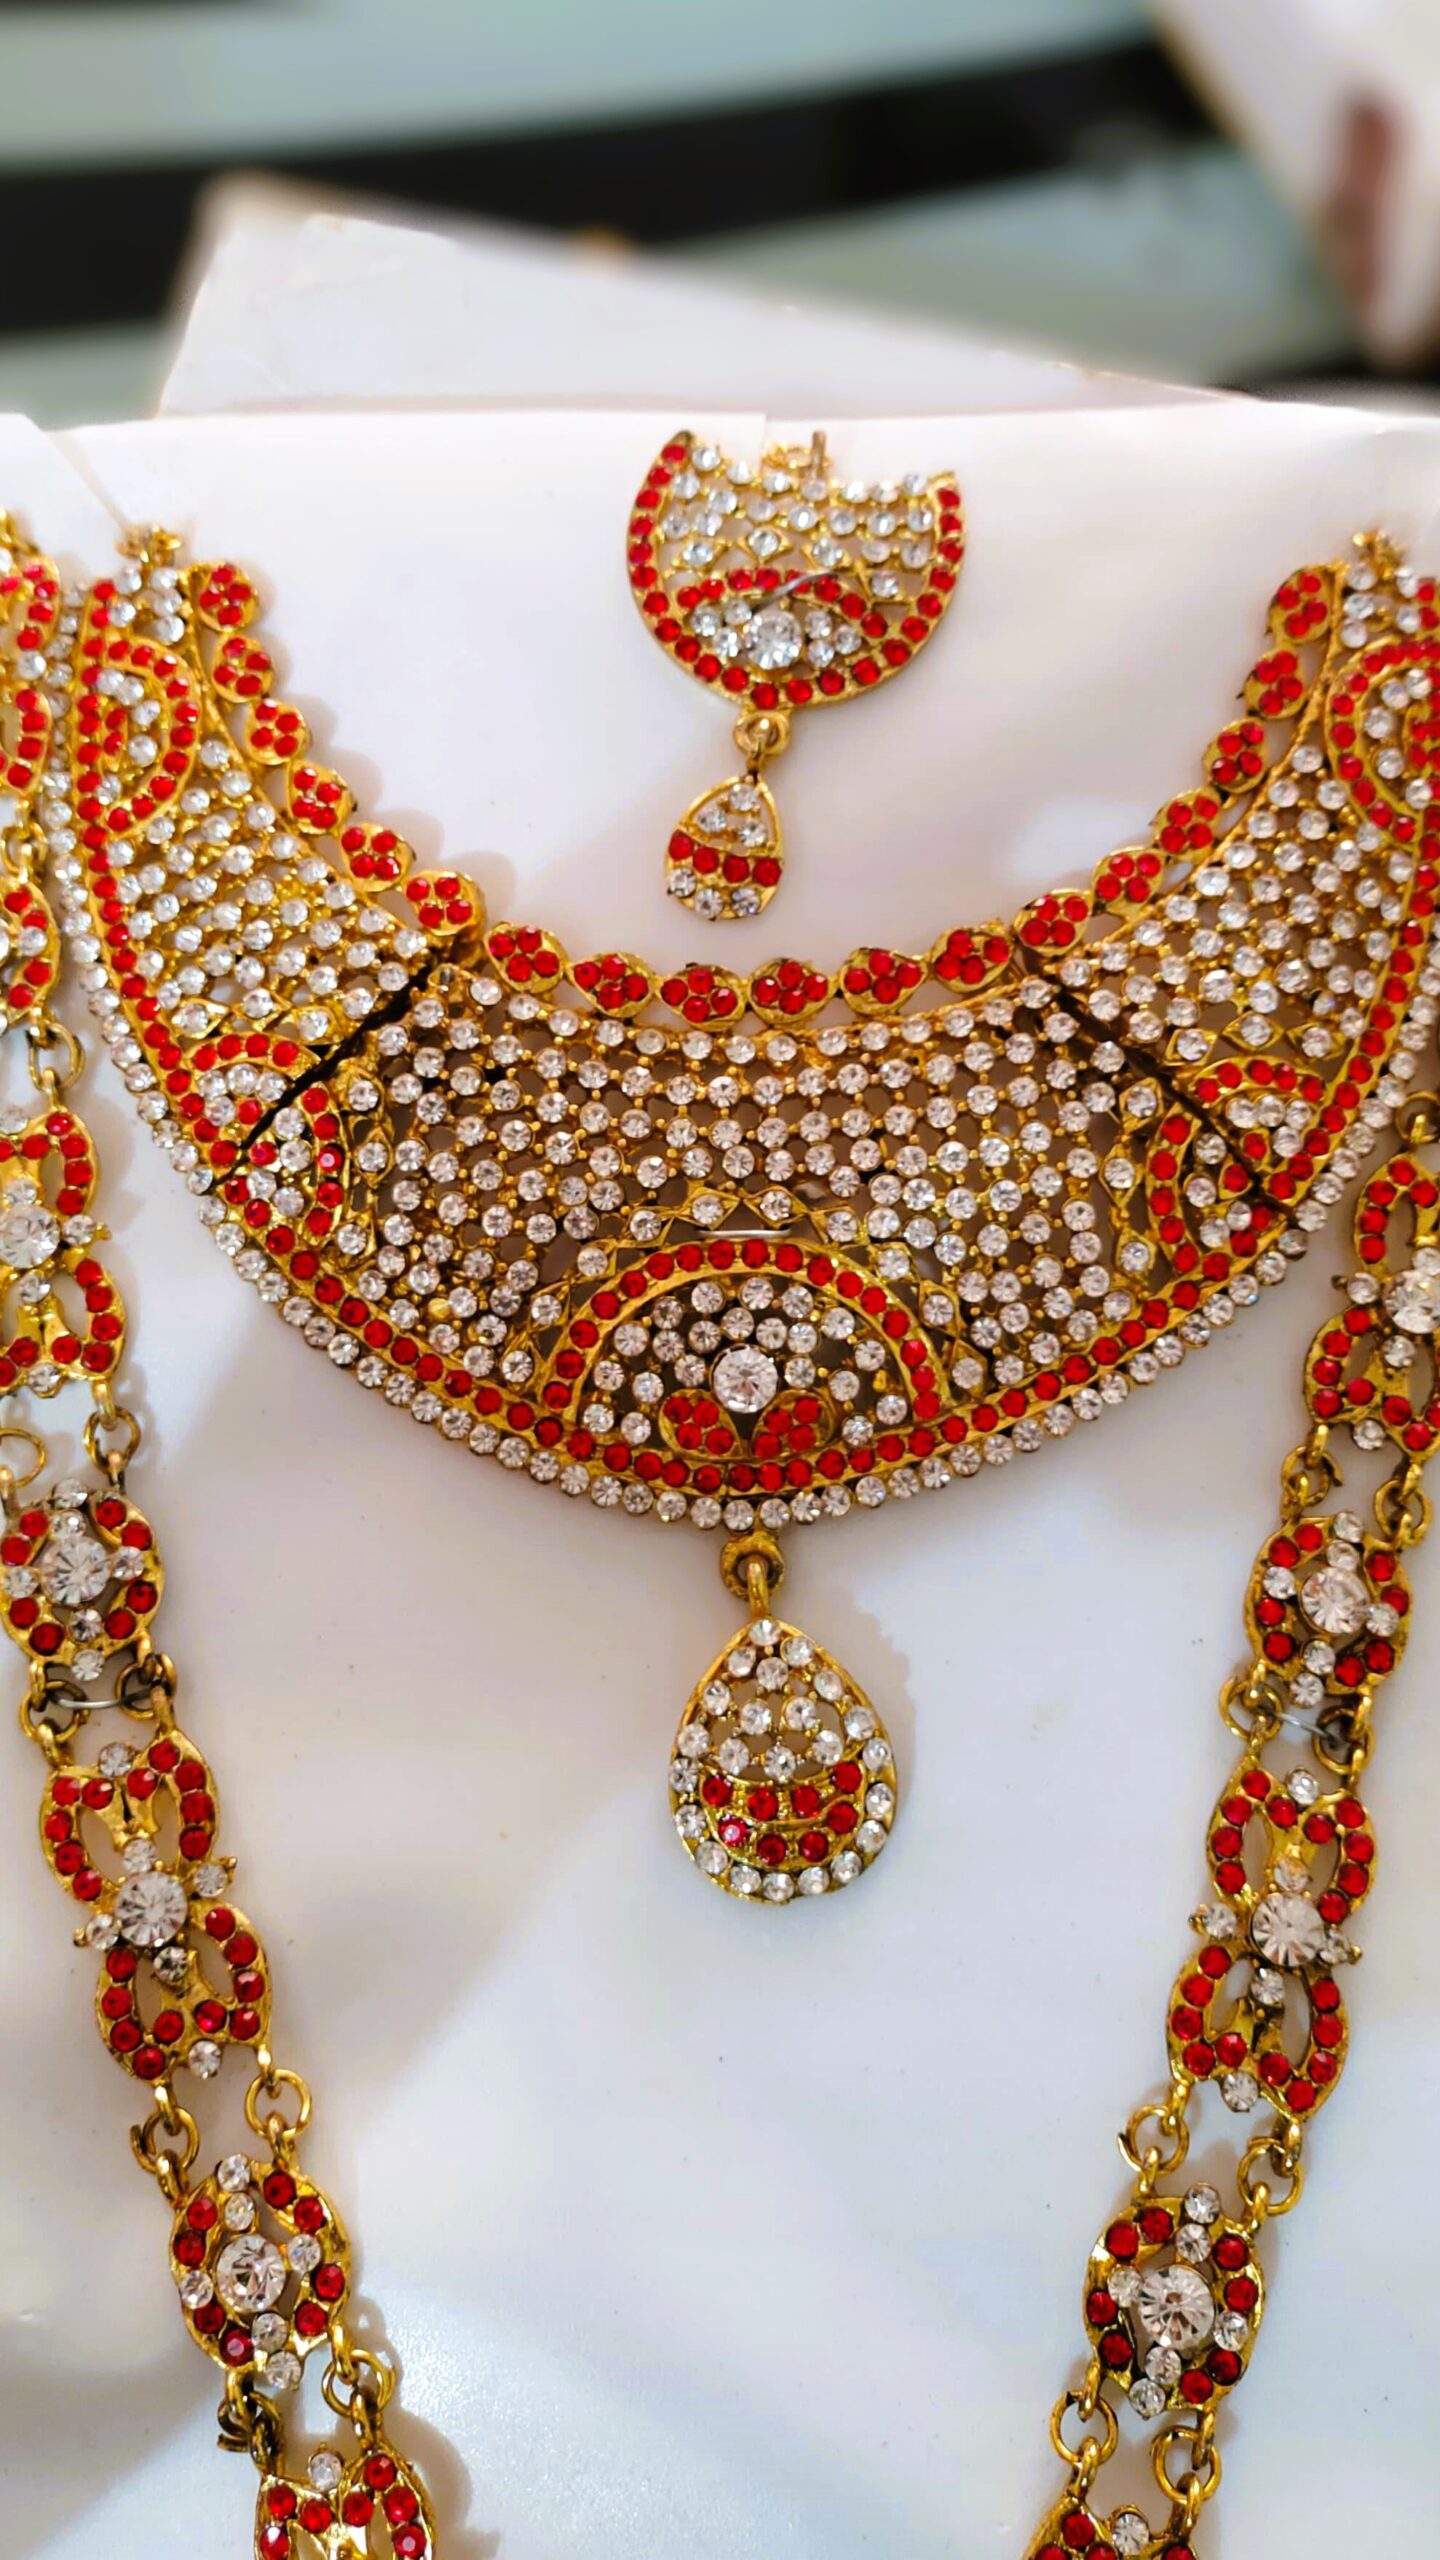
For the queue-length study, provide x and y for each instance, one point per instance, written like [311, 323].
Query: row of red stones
[807, 1801]
[1372, 1390]
[381, 2482]
[895, 642]
[31, 596]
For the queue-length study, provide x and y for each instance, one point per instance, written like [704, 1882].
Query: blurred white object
[296, 305]
[1340, 100]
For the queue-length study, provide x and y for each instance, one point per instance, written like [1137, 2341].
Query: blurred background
[1226, 192]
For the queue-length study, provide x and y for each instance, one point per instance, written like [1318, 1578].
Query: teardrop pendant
[783, 1779]
[725, 858]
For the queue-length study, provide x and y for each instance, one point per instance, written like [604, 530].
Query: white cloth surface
[296, 302]
[698, 2229]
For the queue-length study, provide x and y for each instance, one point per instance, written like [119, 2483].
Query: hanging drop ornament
[782, 588]
[726, 856]
[783, 1778]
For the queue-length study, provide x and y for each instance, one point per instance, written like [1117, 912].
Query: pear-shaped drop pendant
[783, 1779]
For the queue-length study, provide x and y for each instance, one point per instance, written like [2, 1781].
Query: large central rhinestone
[249, 2274]
[745, 1379]
[1176, 2307]
[1334, 1599]
[1288, 1929]
[151, 1908]
[74, 1567]
[28, 1232]
[773, 638]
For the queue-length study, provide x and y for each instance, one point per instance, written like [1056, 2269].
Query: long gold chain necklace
[1248, 996]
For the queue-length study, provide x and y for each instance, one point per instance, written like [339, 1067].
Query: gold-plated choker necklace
[744, 1253]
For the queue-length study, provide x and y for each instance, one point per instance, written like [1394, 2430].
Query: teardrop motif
[783, 1780]
[725, 858]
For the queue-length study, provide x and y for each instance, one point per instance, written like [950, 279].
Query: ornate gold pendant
[783, 1780]
[782, 588]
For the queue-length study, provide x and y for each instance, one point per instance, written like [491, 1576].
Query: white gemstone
[249, 2274]
[102, 1931]
[870, 1837]
[859, 1723]
[115, 1760]
[1240, 2091]
[208, 1880]
[1302, 1786]
[1129, 2532]
[779, 1888]
[814, 1880]
[773, 638]
[1202, 2204]
[74, 1567]
[1163, 2366]
[744, 1880]
[745, 1379]
[233, 2173]
[1335, 1599]
[196, 2289]
[1124, 2284]
[1192, 2243]
[1412, 1301]
[845, 1866]
[29, 1234]
[203, 2059]
[303, 2252]
[1176, 2306]
[151, 1908]
[270, 2331]
[1287, 1929]
[282, 2372]
[325, 2471]
[240, 2212]
[1146, 2399]
[711, 1858]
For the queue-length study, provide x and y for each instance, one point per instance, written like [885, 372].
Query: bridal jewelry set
[738, 1251]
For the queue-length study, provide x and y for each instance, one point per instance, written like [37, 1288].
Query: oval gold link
[1309, 1473]
[110, 1416]
[1168, 2116]
[49, 1032]
[10, 1482]
[1201, 2477]
[167, 2116]
[1282, 2160]
[1083, 2460]
[1403, 1508]
[270, 2081]
[1252, 1703]
[250, 2424]
[356, 2381]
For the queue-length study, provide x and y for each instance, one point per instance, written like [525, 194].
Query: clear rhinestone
[196, 2289]
[270, 2331]
[138, 1856]
[240, 2212]
[1302, 1786]
[845, 1866]
[1176, 2306]
[29, 1235]
[1230, 2328]
[745, 1880]
[325, 2471]
[1287, 1929]
[1124, 2284]
[1202, 2204]
[871, 1837]
[1163, 2366]
[745, 1378]
[74, 1567]
[208, 1880]
[814, 1880]
[282, 2372]
[711, 1859]
[151, 1908]
[249, 2274]
[1335, 1599]
[1240, 2091]
[1129, 2532]
[1412, 1301]
[1192, 2243]
[204, 2058]
[233, 2173]
[773, 638]
[115, 1760]
[779, 1888]
[1146, 2398]
[303, 2252]
[102, 1931]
